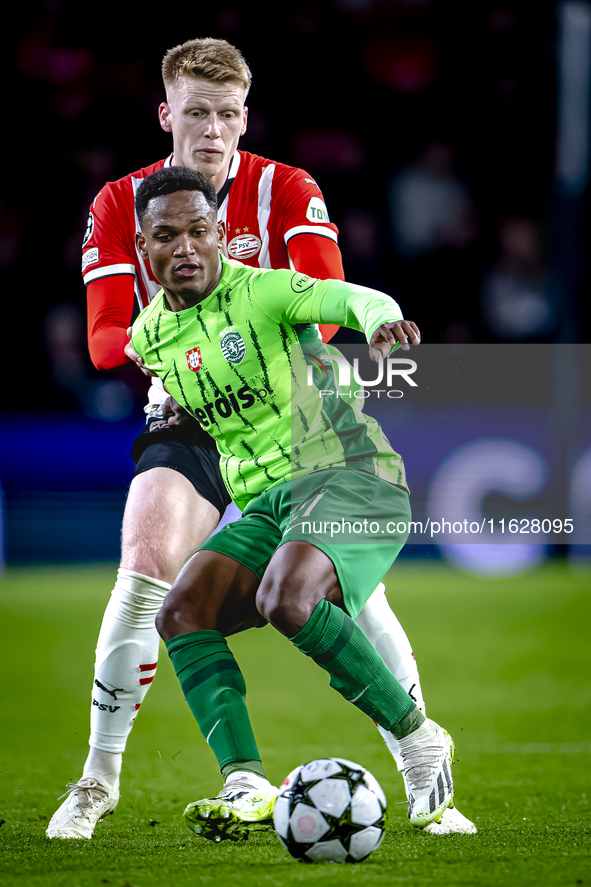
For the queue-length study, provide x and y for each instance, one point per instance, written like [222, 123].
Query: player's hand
[389, 334]
[174, 413]
[135, 357]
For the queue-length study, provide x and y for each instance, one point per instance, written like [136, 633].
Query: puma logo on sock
[112, 693]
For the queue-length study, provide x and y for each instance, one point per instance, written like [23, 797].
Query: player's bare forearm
[393, 333]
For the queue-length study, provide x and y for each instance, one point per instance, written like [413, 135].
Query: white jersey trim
[311, 229]
[108, 271]
[223, 209]
[264, 211]
[150, 286]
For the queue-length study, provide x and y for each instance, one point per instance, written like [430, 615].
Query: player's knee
[163, 572]
[193, 604]
[165, 521]
[158, 562]
[167, 621]
[178, 614]
[284, 607]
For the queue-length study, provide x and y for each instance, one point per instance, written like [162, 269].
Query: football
[330, 810]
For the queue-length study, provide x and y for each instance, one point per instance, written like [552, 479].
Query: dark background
[456, 103]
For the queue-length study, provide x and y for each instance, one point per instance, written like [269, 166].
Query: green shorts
[357, 519]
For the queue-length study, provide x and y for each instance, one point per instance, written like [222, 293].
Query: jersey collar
[232, 170]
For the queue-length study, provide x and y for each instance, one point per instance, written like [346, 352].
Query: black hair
[169, 180]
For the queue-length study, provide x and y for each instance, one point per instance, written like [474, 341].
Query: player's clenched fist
[392, 333]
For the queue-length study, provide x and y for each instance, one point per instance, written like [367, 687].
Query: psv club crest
[232, 344]
[194, 359]
[244, 246]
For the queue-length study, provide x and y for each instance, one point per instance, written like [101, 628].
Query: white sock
[126, 659]
[387, 636]
[105, 766]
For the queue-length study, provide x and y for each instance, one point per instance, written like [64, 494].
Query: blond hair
[216, 60]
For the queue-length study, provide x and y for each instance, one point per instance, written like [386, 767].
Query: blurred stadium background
[450, 141]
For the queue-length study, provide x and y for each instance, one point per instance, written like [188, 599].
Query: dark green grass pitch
[505, 667]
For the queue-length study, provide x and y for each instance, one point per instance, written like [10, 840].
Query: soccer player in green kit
[230, 344]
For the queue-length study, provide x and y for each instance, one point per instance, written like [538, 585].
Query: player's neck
[218, 180]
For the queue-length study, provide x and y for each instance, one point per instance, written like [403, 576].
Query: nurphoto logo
[388, 370]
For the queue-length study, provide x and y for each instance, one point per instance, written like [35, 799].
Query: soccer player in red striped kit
[275, 217]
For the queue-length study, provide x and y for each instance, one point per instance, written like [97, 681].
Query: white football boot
[87, 802]
[452, 821]
[244, 804]
[427, 755]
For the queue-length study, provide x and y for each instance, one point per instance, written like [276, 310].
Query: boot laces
[88, 791]
[420, 770]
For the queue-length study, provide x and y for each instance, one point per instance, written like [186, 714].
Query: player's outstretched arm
[295, 298]
[318, 257]
[390, 334]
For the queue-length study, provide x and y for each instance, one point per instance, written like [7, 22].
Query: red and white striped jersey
[264, 205]
[108, 248]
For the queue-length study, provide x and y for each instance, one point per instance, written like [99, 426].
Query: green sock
[337, 644]
[215, 690]
[251, 766]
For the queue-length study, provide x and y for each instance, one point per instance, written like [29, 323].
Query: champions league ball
[330, 810]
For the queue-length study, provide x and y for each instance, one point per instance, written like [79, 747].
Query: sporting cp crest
[194, 359]
[232, 344]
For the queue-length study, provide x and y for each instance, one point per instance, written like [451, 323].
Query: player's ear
[164, 115]
[221, 233]
[140, 242]
[244, 119]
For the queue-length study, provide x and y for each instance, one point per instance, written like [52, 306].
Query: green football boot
[245, 804]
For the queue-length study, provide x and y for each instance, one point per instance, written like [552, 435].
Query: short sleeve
[108, 247]
[299, 206]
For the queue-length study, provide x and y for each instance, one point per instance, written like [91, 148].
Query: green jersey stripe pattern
[239, 360]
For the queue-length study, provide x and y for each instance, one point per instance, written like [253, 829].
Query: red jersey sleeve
[113, 271]
[321, 258]
[299, 207]
[110, 308]
[301, 219]
[109, 273]
[109, 243]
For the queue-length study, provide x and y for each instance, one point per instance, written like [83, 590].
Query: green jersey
[241, 363]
